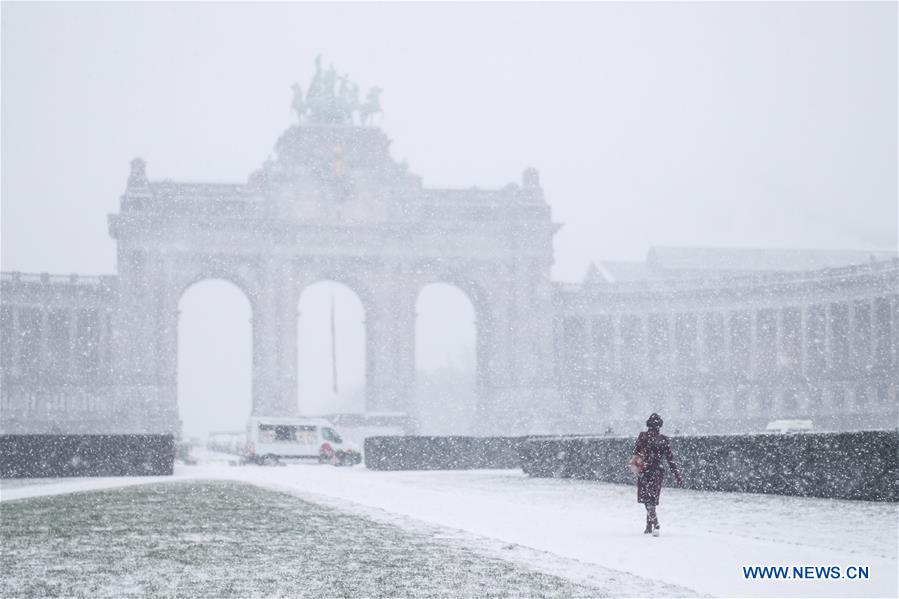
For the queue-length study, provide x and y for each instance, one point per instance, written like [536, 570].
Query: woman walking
[653, 447]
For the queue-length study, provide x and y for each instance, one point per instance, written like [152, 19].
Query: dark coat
[654, 448]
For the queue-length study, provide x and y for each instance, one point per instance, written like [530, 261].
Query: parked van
[271, 439]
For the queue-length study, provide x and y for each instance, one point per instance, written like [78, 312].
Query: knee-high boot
[652, 521]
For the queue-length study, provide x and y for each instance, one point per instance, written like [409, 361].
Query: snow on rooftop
[687, 262]
[751, 259]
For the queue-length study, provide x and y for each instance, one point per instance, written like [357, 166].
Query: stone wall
[860, 465]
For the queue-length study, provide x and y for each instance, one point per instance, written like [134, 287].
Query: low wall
[42, 456]
[441, 453]
[858, 465]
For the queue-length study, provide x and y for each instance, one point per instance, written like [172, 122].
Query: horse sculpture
[371, 106]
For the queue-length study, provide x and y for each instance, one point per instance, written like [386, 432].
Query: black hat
[654, 421]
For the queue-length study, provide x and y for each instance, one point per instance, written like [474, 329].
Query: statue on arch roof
[333, 99]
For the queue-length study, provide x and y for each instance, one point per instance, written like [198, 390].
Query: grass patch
[217, 539]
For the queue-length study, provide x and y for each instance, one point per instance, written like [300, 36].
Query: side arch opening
[445, 360]
[215, 353]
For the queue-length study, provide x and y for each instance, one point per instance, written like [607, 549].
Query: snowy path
[11, 489]
[707, 537]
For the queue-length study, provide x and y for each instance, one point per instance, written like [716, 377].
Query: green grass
[218, 539]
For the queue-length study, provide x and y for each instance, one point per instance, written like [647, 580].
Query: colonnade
[807, 340]
[732, 360]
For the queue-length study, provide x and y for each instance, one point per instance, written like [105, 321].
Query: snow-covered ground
[588, 531]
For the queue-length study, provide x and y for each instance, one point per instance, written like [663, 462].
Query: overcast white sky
[755, 124]
[706, 124]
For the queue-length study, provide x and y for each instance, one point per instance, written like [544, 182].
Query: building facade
[332, 205]
[56, 346]
[726, 351]
[717, 349]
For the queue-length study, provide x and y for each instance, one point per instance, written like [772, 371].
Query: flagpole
[333, 347]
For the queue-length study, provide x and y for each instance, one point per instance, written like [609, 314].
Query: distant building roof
[616, 272]
[746, 259]
[664, 263]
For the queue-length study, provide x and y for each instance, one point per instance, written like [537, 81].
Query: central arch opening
[330, 350]
[214, 359]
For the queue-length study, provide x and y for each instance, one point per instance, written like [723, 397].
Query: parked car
[789, 426]
[231, 442]
[271, 439]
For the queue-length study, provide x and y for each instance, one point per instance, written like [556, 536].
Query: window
[330, 434]
[306, 435]
[266, 433]
[287, 433]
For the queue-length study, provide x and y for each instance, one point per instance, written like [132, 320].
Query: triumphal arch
[720, 340]
[333, 204]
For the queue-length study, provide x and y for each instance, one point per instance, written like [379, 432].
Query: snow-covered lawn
[591, 533]
[218, 538]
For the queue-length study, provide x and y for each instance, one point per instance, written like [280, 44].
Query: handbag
[636, 464]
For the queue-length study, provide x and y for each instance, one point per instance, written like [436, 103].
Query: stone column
[292, 284]
[482, 347]
[697, 341]
[377, 393]
[671, 317]
[405, 339]
[828, 336]
[851, 334]
[523, 395]
[672, 383]
[858, 350]
[150, 396]
[133, 343]
[645, 367]
[73, 373]
[616, 342]
[803, 326]
[264, 345]
[16, 406]
[103, 353]
[779, 392]
[872, 316]
[15, 346]
[779, 351]
[590, 354]
[724, 392]
[268, 399]
[726, 341]
[44, 358]
[167, 346]
[390, 348]
[894, 325]
[703, 396]
[753, 342]
[154, 320]
[501, 333]
[494, 337]
[44, 400]
[702, 361]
